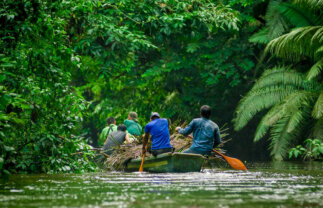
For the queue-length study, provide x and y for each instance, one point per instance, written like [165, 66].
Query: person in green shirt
[132, 124]
[111, 126]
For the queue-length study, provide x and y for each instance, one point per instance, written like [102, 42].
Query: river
[270, 184]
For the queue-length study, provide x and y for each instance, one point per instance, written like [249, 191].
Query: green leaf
[315, 70]
[296, 44]
[8, 148]
[1, 163]
[296, 153]
[318, 107]
[260, 37]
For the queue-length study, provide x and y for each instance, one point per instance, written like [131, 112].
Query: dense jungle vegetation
[65, 66]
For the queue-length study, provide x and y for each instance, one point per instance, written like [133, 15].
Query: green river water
[282, 184]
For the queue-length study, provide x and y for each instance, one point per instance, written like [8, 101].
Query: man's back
[206, 133]
[159, 132]
[115, 139]
[105, 133]
[133, 127]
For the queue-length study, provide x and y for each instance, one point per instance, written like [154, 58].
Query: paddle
[143, 159]
[233, 162]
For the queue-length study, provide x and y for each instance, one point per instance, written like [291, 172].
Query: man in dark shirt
[115, 139]
[157, 128]
[206, 133]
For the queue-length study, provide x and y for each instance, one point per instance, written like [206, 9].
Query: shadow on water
[279, 184]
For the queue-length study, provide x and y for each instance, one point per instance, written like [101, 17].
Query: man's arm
[127, 138]
[144, 142]
[187, 130]
[106, 140]
[169, 122]
[217, 137]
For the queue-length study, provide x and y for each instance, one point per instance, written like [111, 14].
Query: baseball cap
[154, 114]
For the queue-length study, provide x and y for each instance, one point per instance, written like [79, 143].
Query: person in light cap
[132, 124]
[158, 130]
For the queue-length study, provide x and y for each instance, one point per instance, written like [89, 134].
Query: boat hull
[168, 162]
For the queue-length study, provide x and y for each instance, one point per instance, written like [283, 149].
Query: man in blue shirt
[206, 133]
[157, 128]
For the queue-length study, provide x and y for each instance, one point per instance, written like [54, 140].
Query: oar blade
[235, 163]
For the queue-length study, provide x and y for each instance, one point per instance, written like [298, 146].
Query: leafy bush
[65, 66]
[39, 111]
[313, 150]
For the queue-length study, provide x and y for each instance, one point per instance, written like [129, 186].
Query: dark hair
[110, 120]
[205, 111]
[122, 127]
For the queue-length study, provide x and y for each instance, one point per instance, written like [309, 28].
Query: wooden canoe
[168, 162]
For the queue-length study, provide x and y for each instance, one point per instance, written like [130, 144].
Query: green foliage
[276, 24]
[39, 111]
[318, 107]
[65, 66]
[180, 54]
[313, 4]
[270, 89]
[293, 95]
[281, 17]
[298, 43]
[313, 150]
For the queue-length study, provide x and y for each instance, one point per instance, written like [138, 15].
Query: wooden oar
[233, 162]
[143, 159]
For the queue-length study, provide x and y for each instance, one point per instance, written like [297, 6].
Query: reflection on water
[264, 185]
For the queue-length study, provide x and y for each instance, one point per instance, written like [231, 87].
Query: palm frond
[280, 17]
[318, 53]
[279, 75]
[297, 16]
[258, 100]
[275, 22]
[299, 42]
[318, 107]
[264, 125]
[286, 130]
[260, 37]
[279, 139]
[317, 131]
[319, 50]
[288, 106]
[318, 36]
[315, 70]
[313, 4]
[300, 113]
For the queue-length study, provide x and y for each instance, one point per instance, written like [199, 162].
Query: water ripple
[267, 187]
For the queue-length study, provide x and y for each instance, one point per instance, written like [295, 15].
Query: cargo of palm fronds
[126, 152]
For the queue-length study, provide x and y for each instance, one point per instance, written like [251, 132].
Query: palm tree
[293, 94]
